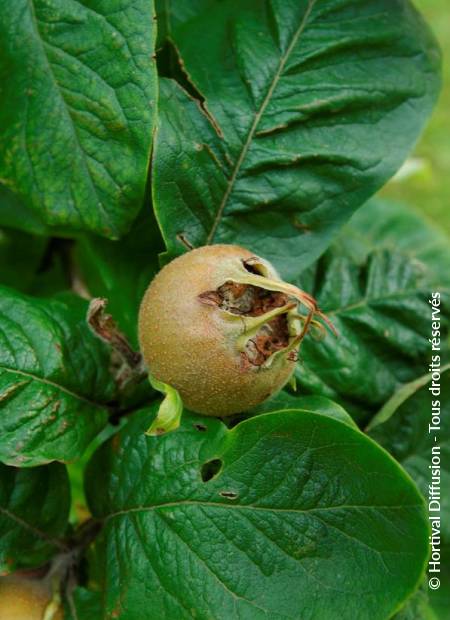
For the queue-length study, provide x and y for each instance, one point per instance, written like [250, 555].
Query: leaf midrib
[369, 301]
[176, 504]
[256, 121]
[72, 124]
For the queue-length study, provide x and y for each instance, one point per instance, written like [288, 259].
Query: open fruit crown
[220, 332]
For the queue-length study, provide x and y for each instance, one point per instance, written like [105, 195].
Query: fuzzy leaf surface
[295, 495]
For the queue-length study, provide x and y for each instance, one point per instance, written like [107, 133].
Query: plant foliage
[126, 143]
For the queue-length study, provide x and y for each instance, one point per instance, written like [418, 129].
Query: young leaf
[77, 110]
[286, 513]
[34, 508]
[290, 135]
[55, 379]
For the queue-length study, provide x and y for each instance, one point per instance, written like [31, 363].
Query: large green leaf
[293, 133]
[55, 379]
[77, 109]
[13, 214]
[375, 284]
[315, 404]
[405, 434]
[382, 315]
[34, 507]
[287, 515]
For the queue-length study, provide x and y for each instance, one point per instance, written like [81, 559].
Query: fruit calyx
[269, 309]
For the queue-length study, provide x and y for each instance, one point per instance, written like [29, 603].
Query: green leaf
[399, 397]
[289, 135]
[13, 214]
[395, 226]
[122, 270]
[34, 508]
[172, 14]
[77, 109]
[382, 314]
[284, 514]
[55, 380]
[315, 404]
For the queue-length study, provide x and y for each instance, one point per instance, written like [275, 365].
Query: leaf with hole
[312, 517]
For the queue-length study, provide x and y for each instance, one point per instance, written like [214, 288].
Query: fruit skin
[24, 599]
[192, 347]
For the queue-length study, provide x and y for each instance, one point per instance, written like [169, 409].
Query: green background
[428, 188]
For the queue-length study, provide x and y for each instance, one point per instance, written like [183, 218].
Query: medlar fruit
[220, 326]
[26, 599]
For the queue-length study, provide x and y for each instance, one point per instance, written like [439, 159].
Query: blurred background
[424, 181]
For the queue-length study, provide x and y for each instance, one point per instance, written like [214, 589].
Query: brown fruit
[24, 599]
[221, 327]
